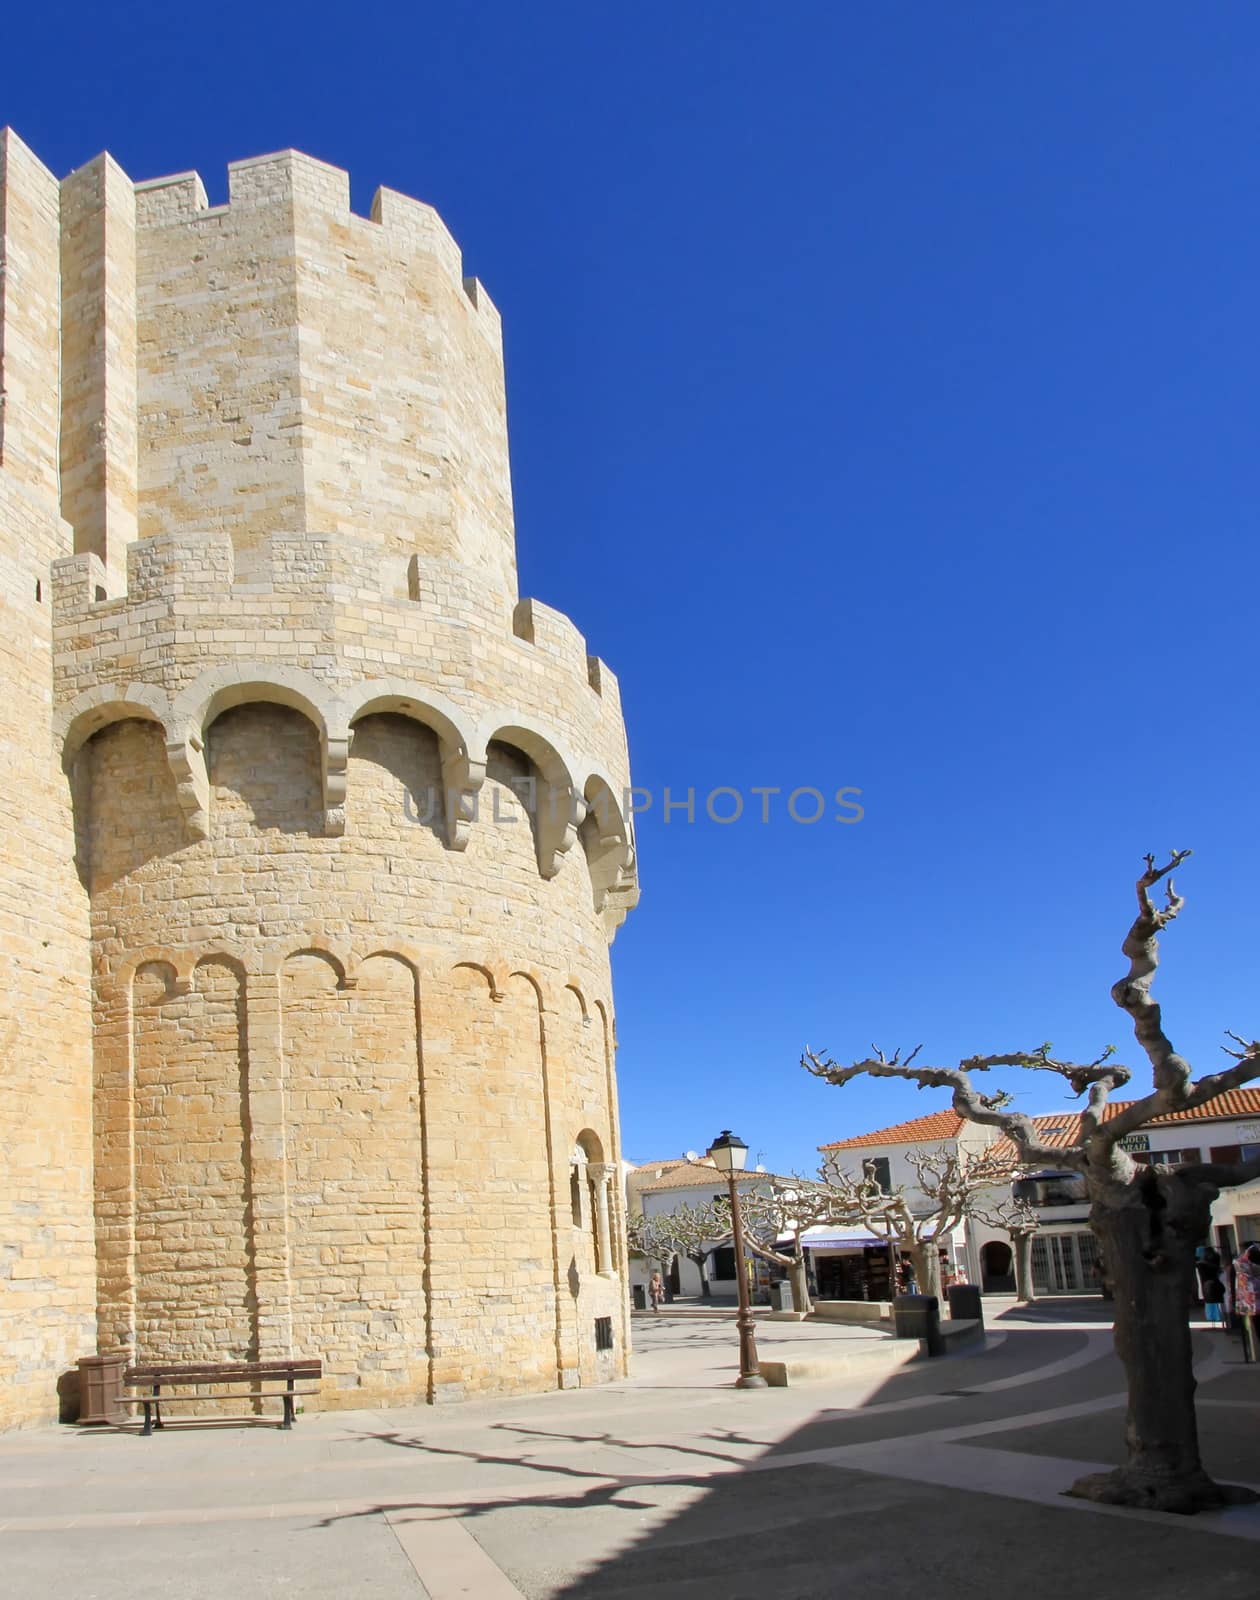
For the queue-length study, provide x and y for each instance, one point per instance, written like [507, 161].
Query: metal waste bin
[918, 1316]
[964, 1302]
[638, 1296]
[781, 1297]
[100, 1388]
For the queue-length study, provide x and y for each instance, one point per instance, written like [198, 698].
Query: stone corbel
[462, 778]
[335, 758]
[186, 757]
[561, 812]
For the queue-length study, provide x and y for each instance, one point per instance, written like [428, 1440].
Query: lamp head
[729, 1152]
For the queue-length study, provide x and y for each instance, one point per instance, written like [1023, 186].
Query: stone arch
[264, 768]
[96, 708]
[192, 1208]
[126, 810]
[333, 954]
[591, 1200]
[574, 988]
[195, 708]
[463, 762]
[355, 1164]
[396, 794]
[557, 808]
[588, 1146]
[493, 980]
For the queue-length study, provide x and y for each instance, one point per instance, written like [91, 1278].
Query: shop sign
[1136, 1141]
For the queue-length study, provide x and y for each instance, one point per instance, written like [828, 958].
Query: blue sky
[882, 385]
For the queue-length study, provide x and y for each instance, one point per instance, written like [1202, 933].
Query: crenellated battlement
[289, 178]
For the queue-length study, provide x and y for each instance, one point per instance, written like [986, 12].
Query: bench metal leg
[288, 1411]
[148, 1420]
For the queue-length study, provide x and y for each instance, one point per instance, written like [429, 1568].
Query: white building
[656, 1187]
[850, 1264]
[1064, 1252]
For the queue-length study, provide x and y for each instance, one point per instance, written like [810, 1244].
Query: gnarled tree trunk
[927, 1267]
[700, 1260]
[1147, 1231]
[1025, 1288]
[800, 1287]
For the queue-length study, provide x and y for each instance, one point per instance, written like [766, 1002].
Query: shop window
[1165, 1158]
[1230, 1155]
[1051, 1189]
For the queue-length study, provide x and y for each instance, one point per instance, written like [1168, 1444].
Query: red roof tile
[936, 1125]
[1061, 1132]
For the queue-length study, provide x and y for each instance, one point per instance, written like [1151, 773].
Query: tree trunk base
[1184, 1496]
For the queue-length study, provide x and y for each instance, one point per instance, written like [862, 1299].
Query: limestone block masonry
[313, 833]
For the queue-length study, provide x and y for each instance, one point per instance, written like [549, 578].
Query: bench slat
[198, 1399]
[242, 1372]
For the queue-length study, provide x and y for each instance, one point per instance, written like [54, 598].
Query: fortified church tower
[312, 831]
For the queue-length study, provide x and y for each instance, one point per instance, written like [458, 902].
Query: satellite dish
[693, 1155]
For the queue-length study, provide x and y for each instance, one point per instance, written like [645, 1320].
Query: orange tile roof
[936, 1125]
[692, 1175]
[1064, 1130]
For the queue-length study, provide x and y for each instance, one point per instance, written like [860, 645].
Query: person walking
[1247, 1297]
[1211, 1284]
[656, 1290]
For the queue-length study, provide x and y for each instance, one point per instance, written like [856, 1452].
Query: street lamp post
[729, 1155]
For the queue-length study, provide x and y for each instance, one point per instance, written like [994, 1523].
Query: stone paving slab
[267, 1559]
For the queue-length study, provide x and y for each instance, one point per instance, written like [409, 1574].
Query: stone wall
[348, 821]
[47, 1268]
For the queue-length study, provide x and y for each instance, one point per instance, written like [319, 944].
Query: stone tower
[314, 838]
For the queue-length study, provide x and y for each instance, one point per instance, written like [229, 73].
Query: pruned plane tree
[1147, 1219]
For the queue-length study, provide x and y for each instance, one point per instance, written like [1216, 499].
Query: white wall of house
[650, 1202]
[972, 1138]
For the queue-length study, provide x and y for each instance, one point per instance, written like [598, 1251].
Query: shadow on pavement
[772, 1527]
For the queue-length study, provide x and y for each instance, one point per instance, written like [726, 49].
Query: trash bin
[964, 1302]
[781, 1297]
[638, 1297]
[100, 1388]
[918, 1316]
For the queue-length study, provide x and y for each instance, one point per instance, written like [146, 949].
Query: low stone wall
[853, 1310]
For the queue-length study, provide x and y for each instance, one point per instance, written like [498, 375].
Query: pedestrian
[1207, 1265]
[1247, 1297]
[656, 1290]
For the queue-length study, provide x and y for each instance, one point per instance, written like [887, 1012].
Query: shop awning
[838, 1238]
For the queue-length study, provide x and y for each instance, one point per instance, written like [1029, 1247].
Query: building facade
[1065, 1258]
[657, 1188]
[851, 1264]
[1064, 1255]
[314, 838]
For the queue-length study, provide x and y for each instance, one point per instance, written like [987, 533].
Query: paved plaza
[944, 1476]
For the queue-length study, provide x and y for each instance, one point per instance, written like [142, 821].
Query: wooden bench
[247, 1379]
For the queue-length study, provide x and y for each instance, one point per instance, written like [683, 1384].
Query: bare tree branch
[967, 1100]
[1133, 992]
[1217, 1174]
